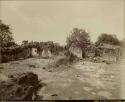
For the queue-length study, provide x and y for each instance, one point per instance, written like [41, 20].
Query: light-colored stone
[87, 88]
[105, 94]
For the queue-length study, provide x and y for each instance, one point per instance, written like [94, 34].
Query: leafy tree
[5, 34]
[79, 37]
[6, 37]
[24, 42]
[108, 39]
[57, 48]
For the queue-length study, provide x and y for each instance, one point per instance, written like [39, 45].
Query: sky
[53, 20]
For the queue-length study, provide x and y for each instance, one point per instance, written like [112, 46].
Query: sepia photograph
[62, 50]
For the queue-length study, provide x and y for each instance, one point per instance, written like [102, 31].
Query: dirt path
[83, 80]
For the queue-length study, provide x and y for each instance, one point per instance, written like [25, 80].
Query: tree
[5, 34]
[108, 39]
[79, 37]
[24, 42]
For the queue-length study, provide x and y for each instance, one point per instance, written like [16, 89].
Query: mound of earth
[20, 87]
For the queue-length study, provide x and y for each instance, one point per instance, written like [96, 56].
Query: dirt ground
[80, 80]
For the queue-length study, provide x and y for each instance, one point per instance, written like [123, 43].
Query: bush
[5, 58]
[72, 57]
[20, 87]
[15, 53]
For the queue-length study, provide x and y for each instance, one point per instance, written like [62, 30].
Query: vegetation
[6, 36]
[79, 37]
[108, 39]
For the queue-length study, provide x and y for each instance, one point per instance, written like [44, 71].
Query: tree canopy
[5, 34]
[79, 37]
[108, 39]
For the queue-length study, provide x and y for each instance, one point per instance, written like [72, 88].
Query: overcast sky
[54, 20]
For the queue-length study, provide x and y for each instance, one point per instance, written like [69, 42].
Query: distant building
[109, 52]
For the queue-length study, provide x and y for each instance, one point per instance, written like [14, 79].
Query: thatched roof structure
[109, 46]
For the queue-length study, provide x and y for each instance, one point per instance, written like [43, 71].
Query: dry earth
[81, 80]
